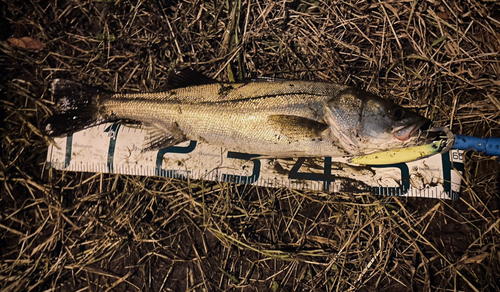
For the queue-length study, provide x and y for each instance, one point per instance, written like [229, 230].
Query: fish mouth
[405, 133]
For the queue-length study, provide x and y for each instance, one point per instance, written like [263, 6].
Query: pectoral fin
[295, 127]
[162, 136]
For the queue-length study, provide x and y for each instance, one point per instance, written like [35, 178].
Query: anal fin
[160, 137]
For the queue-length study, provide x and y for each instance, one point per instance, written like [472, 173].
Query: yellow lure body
[398, 155]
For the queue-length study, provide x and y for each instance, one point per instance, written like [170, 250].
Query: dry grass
[65, 231]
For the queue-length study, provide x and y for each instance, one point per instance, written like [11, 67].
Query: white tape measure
[115, 148]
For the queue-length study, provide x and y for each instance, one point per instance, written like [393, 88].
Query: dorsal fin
[187, 77]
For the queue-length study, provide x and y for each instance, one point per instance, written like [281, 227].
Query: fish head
[364, 123]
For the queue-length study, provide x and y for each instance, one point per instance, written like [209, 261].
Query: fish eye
[397, 113]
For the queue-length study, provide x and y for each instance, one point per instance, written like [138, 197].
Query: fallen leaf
[476, 259]
[27, 43]
[350, 213]
[391, 8]
[443, 15]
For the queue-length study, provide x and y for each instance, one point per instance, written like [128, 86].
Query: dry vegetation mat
[66, 231]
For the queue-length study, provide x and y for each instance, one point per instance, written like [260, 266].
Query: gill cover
[365, 123]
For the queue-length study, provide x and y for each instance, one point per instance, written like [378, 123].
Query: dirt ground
[67, 231]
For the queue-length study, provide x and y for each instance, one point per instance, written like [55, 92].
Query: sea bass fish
[278, 118]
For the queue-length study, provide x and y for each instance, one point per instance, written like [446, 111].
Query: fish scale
[215, 93]
[215, 124]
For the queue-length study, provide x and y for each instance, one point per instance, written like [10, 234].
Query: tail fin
[77, 107]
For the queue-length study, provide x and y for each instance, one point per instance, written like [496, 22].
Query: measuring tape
[116, 148]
